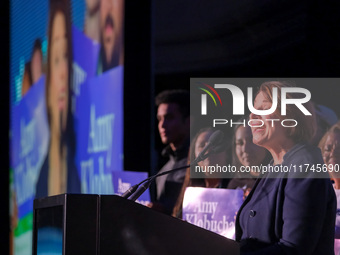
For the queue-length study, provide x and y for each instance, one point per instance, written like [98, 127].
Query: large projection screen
[66, 103]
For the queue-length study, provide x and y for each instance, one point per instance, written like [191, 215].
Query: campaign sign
[123, 180]
[29, 142]
[99, 130]
[212, 209]
[85, 58]
[337, 246]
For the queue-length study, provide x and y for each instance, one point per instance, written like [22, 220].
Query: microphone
[131, 190]
[135, 191]
[214, 150]
[141, 190]
[214, 142]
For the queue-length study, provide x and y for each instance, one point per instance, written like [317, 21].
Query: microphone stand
[214, 141]
[134, 192]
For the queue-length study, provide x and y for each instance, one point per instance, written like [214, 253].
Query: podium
[109, 224]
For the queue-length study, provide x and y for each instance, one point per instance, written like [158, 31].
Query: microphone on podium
[214, 143]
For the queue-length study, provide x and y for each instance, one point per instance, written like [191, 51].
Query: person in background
[330, 148]
[58, 173]
[173, 115]
[325, 118]
[111, 35]
[221, 158]
[287, 212]
[246, 153]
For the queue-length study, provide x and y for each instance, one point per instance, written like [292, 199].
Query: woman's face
[247, 152]
[212, 160]
[331, 149]
[271, 132]
[58, 92]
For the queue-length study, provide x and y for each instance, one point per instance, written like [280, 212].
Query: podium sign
[212, 209]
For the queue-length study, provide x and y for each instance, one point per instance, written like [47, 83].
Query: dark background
[167, 42]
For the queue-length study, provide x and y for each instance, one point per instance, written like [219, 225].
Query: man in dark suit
[174, 129]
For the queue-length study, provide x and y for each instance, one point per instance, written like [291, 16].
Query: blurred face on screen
[92, 5]
[111, 26]
[58, 92]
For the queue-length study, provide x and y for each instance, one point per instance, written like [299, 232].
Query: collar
[291, 152]
[181, 152]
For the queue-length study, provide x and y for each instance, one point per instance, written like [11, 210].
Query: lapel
[238, 230]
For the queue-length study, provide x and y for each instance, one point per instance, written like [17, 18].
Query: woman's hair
[60, 6]
[306, 127]
[335, 129]
[177, 211]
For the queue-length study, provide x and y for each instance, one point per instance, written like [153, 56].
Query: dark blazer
[289, 215]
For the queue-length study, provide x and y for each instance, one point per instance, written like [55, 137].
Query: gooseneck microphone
[134, 189]
[214, 140]
[214, 143]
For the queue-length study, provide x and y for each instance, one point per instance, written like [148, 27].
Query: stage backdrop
[66, 86]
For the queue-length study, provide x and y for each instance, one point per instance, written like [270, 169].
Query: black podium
[108, 224]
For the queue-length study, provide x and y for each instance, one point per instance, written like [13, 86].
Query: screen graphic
[66, 86]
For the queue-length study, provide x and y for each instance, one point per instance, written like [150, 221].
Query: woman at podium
[291, 209]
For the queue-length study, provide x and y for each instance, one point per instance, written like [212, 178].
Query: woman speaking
[287, 212]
